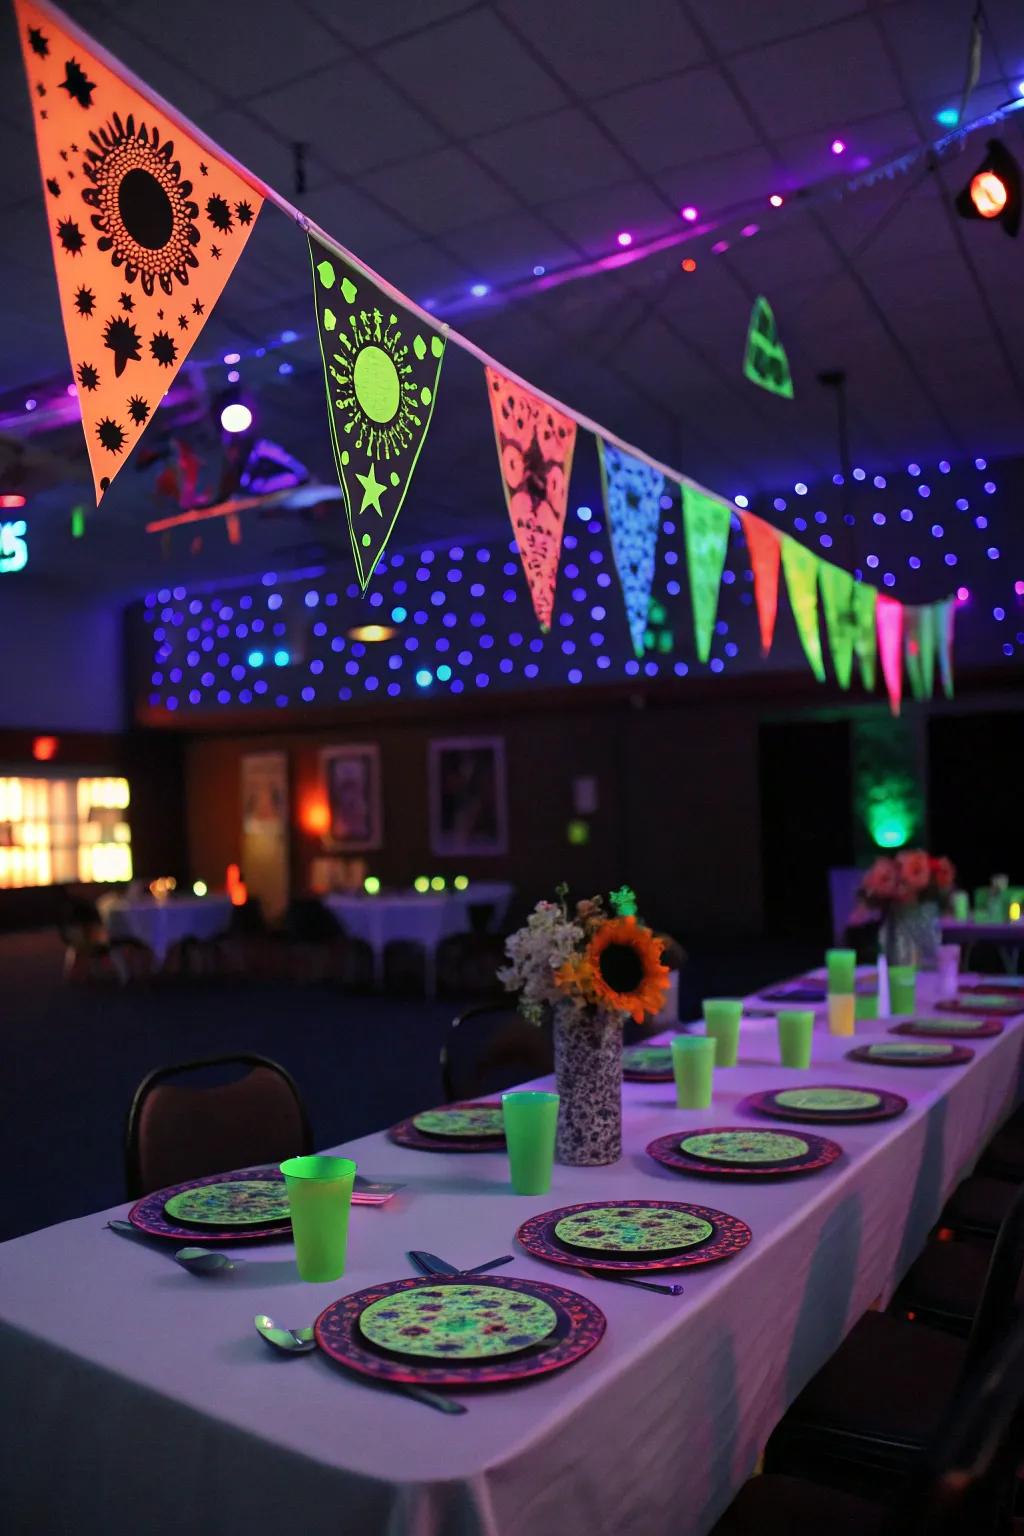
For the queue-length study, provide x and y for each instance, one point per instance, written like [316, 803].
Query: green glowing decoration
[381, 368]
[837, 590]
[623, 902]
[77, 522]
[657, 636]
[929, 635]
[865, 642]
[912, 650]
[706, 524]
[765, 361]
[801, 570]
[578, 833]
[888, 794]
[944, 616]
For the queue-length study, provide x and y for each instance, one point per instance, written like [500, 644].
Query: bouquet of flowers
[590, 958]
[906, 879]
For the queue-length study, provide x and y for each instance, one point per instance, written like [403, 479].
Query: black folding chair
[962, 1484]
[184, 1130]
[866, 1415]
[491, 1047]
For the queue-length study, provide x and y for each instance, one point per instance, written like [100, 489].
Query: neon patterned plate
[796, 993]
[148, 1214]
[580, 1326]
[477, 1121]
[1004, 986]
[950, 1029]
[539, 1236]
[232, 1203]
[826, 1104]
[408, 1134]
[611, 1229]
[743, 1148]
[819, 1153]
[984, 1002]
[457, 1322]
[912, 1053]
[647, 1064]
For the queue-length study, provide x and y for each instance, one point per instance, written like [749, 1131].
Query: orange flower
[625, 963]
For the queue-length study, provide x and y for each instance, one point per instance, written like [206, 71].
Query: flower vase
[911, 935]
[588, 1069]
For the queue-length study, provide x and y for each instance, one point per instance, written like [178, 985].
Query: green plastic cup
[842, 964]
[693, 1062]
[722, 1021]
[961, 906]
[530, 1122]
[796, 1034]
[902, 988]
[320, 1195]
[865, 1005]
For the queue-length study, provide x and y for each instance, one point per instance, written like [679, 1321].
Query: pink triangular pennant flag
[889, 619]
[535, 448]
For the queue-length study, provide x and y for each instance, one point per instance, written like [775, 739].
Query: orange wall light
[44, 748]
[315, 817]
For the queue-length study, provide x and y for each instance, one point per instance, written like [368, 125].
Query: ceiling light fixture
[994, 191]
[688, 264]
[480, 290]
[689, 213]
[838, 147]
[236, 417]
[624, 237]
[775, 200]
[369, 634]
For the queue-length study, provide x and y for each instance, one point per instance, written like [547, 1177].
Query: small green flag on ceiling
[765, 361]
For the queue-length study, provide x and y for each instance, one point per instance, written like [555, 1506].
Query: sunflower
[621, 969]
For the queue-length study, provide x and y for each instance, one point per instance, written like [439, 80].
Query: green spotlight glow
[371, 885]
[199, 888]
[438, 883]
[461, 882]
[578, 833]
[421, 884]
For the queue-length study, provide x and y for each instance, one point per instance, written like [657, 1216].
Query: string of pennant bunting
[147, 220]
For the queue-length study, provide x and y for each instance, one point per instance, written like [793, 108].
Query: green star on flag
[381, 369]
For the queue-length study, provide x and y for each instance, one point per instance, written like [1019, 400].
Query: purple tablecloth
[135, 1397]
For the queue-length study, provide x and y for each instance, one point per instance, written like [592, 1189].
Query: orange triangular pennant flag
[146, 227]
[535, 448]
[765, 554]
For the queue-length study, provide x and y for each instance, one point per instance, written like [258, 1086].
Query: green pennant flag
[840, 620]
[929, 639]
[944, 616]
[865, 642]
[381, 368]
[801, 567]
[706, 524]
[765, 361]
[912, 650]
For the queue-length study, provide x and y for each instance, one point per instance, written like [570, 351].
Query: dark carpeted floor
[71, 1057]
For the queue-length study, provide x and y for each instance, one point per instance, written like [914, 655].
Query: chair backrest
[491, 1047]
[998, 1305]
[964, 1483]
[184, 1130]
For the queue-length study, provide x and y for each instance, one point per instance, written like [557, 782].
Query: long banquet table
[138, 1398]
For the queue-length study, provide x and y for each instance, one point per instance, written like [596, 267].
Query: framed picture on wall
[468, 808]
[351, 777]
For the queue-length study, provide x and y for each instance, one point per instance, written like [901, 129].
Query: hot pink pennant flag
[763, 546]
[889, 619]
[535, 448]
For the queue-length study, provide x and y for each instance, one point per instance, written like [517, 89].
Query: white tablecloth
[162, 924]
[135, 1397]
[424, 919]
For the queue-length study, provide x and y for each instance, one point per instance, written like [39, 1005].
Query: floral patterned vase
[588, 1069]
[911, 935]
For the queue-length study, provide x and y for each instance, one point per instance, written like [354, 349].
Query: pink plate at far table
[949, 1029]
[728, 1236]
[864, 1104]
[580, 1327]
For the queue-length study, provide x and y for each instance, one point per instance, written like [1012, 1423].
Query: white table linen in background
[135, 1397]
[162, 924]
[422, 919]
